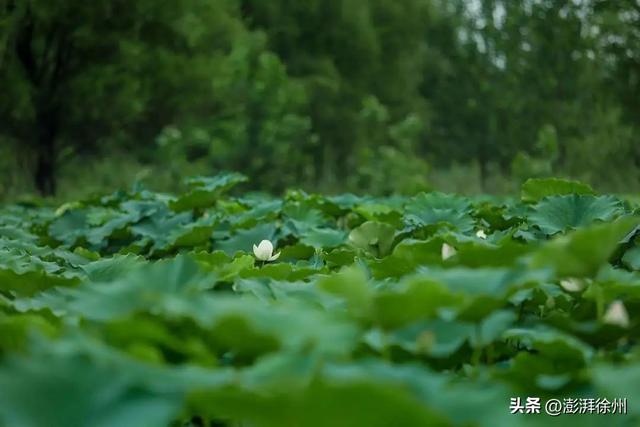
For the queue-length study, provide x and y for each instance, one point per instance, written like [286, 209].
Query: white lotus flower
[481, 234]
[617, 315]
[447, 251]
[572, 284]
[264, 251]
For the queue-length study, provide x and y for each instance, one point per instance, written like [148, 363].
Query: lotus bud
[447, 251]
[264, 251]
[617, 315]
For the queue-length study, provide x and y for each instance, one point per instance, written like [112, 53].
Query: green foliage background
[372, 96]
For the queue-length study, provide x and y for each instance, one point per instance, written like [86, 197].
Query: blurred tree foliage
[362, 95]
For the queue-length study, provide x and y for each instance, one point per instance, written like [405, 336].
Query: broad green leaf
[351, 284]
[536, 189]
[475, 254]
[25, 275]
[69, 227]
[583, 252]
[82, 383]
[435, 208]
[206, 190]
[631, 258]
[400, 395]
[300, 218]
[492, 327]
[436, 338]
[374, 238]
[161, 227]
[552, 344]
[618, 382]
[408, 255]
[415, 299]
[108, 269]
[562, 213]
[324, 238]
[379, 212]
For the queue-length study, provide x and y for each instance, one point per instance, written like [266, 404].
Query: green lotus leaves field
[144, 309]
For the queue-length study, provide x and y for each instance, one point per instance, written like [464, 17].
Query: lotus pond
[144, 309]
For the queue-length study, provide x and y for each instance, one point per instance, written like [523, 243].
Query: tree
[80, 75]
[344, 53]
[510, 69]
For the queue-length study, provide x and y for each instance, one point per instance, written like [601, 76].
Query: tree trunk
[45, 172]
[45, 65]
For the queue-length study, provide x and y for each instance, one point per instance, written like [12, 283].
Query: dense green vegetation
[319, 94]
[140, 308]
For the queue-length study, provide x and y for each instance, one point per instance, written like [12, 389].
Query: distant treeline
[359, 95]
